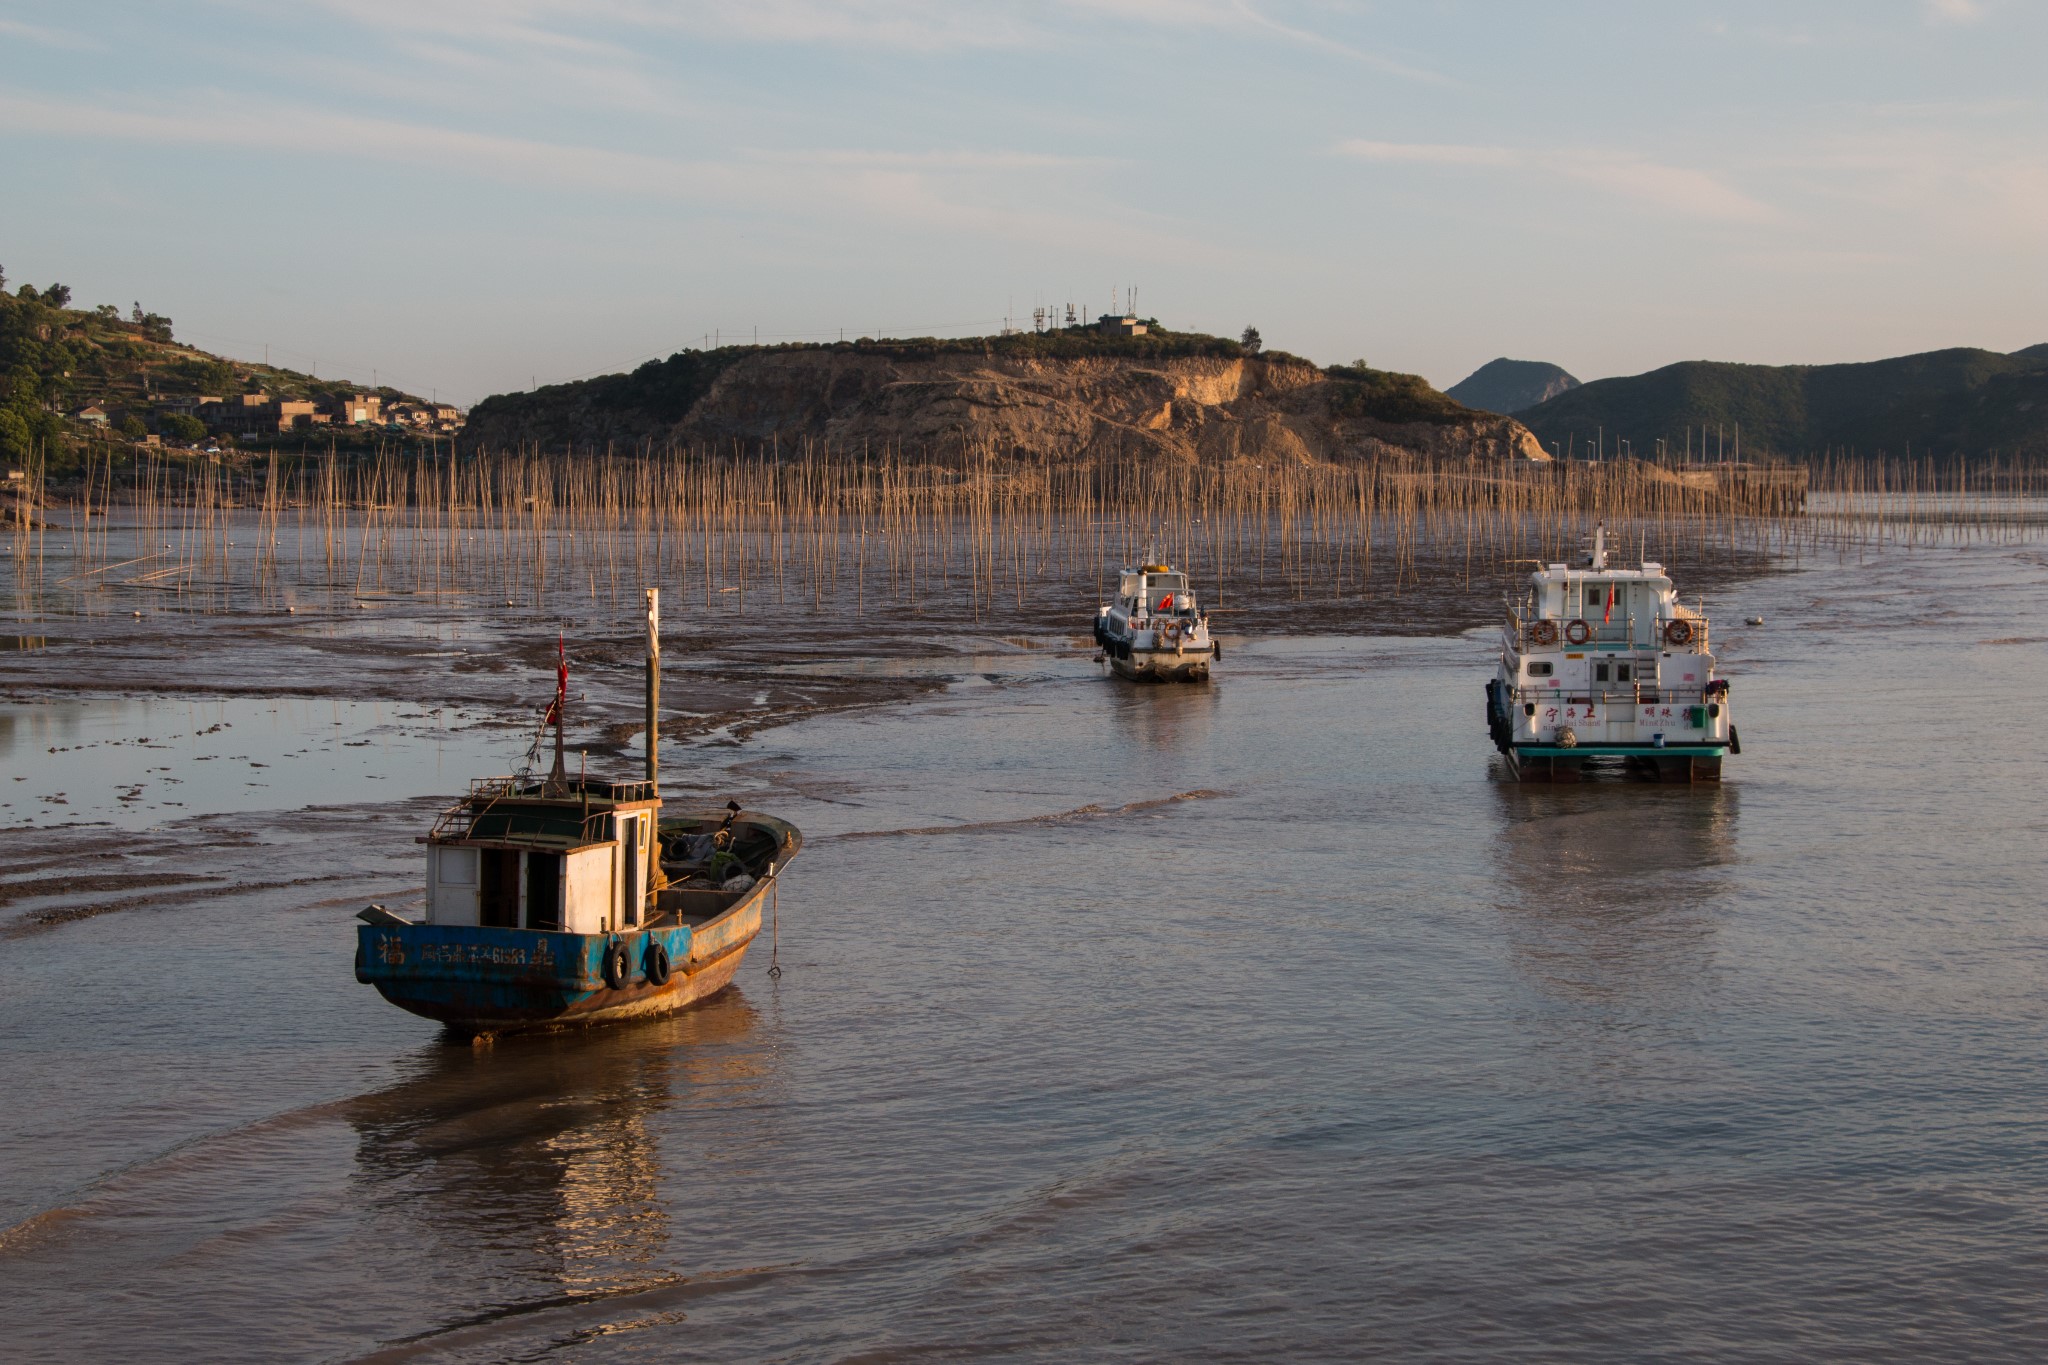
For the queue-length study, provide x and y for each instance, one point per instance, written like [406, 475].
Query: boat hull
[1161, 665]
[487, 981]
[1673, 763]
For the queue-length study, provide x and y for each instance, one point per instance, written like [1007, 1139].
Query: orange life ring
[1577, 633]
[1543, 634]
[1678, 632]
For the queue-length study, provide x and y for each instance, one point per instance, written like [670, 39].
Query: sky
[463, 197]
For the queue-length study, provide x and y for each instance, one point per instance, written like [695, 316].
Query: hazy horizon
[466, 197]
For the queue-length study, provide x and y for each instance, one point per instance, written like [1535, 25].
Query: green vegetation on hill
[56, 359]
[1962, 401]
[1360, 391]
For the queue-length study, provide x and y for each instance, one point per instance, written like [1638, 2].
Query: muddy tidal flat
[1250, 1021]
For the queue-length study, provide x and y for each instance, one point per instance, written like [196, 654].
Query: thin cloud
[1954, 11]
[921, 26]
[912, 25]
[891, 186]
[48, 37]
[1245, 16]
[945, 160]
[1675, 189]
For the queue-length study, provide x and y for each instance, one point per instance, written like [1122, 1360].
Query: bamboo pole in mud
[966, 531]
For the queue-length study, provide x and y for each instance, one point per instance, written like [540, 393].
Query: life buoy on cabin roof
[1678, 632]
[1578, 632]
[1542, 633]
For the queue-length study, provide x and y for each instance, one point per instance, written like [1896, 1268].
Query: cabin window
[457, 867]
[498, 897]
[544, 891]
[1600, 673]
[1167, 592]
[1539, 670]
[1622, 672]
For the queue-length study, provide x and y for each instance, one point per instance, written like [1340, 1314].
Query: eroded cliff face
[1011, 407]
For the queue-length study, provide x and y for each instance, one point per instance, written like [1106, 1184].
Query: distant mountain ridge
[1508, 386]
[1962, 401]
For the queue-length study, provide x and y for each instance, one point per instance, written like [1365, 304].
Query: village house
[257, 414]
[357, 409]
[186, 403]
[92, 413]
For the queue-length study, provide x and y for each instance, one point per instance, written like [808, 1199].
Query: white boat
[1605, 665]
[1155, 629]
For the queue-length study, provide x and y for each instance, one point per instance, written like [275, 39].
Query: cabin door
[629, 900]
[544, 891]
[498, 889]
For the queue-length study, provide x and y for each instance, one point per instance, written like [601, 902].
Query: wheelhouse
[576, 857]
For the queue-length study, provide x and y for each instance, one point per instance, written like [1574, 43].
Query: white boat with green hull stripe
[1603, 665]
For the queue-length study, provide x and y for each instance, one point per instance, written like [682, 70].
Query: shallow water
[137, 761]
[1254, 1021]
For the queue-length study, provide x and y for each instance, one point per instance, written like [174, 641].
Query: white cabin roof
[1650, 572]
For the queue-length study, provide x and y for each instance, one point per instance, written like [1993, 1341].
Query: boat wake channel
[1092, 811]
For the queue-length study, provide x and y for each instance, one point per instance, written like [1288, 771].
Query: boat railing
[460, 819]
[1620, 633]
[1619, 694]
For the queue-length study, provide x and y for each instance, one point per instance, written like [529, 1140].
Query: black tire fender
[656, 963]
[617, 966]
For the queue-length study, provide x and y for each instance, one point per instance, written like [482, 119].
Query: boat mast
[559, 778]
[654, 686]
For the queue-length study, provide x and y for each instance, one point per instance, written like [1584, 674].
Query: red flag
[1166, 602]
[561, 681]
[1610, 605]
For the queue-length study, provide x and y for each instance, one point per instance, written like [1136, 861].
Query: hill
[1505, 385]
[136, 381]
[1955, 402]
[1072, 393]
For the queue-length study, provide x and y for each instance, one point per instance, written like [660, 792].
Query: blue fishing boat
[556, 901]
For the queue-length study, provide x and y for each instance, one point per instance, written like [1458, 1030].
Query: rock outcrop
[945, 400]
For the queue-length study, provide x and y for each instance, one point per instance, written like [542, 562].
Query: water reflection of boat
[1612, 893]
[1605, 665]
[543, 1164]
[1154, 629]
[557, 901]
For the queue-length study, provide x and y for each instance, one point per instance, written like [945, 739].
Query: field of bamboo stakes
[974, 538]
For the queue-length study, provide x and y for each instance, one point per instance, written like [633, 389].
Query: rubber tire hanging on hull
[656, 964]
[616, 966]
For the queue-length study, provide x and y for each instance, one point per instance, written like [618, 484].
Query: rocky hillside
[1073, 395]
[1510, 385]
